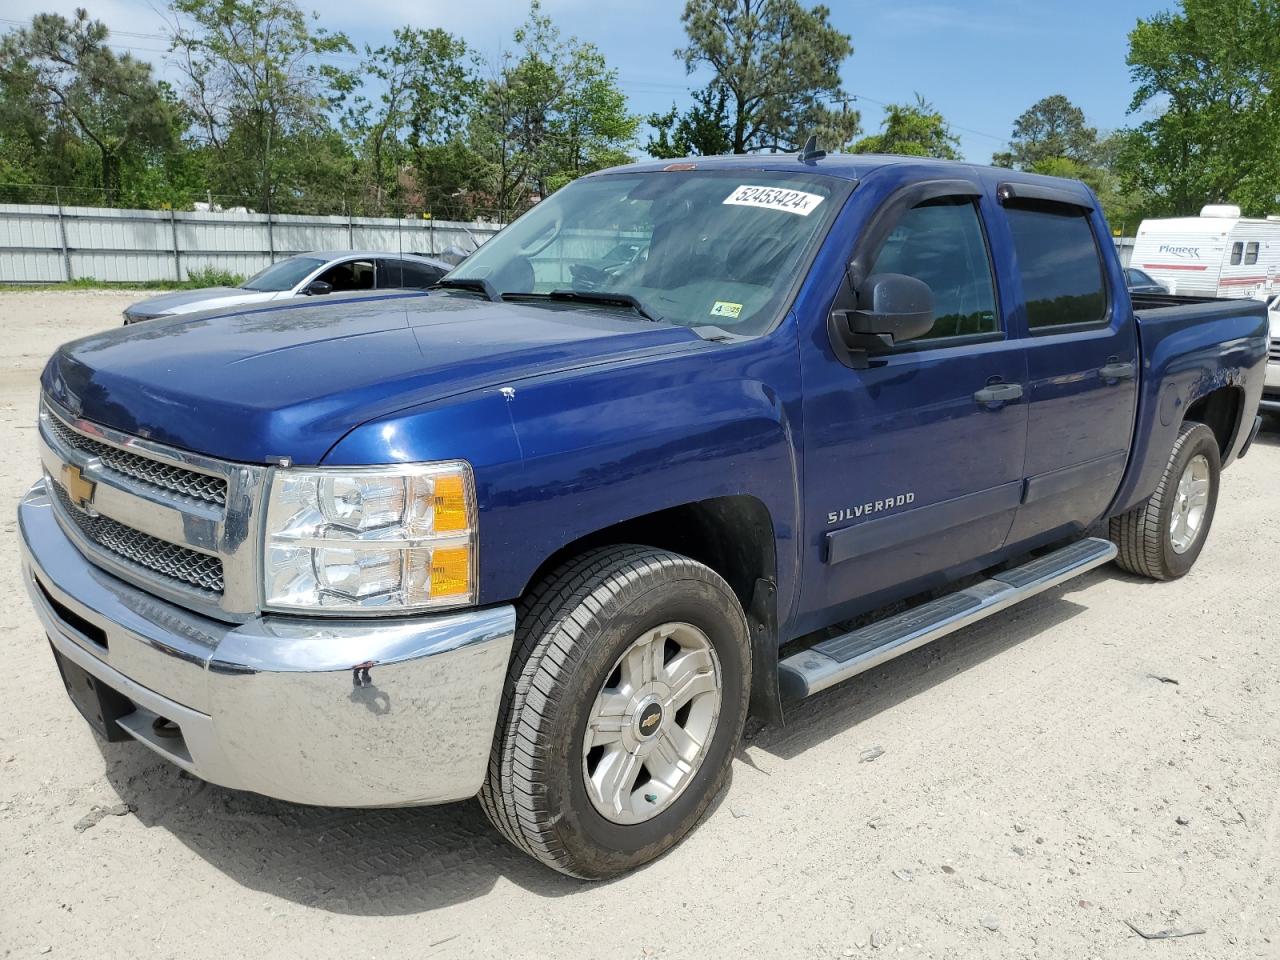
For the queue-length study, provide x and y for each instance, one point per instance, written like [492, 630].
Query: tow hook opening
[166, 728]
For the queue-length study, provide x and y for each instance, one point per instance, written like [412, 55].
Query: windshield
[284, 275]
[718, 248]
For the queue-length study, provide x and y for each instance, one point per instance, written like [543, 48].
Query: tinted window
[1237, 249]
[941, 243]
[1137, 277]
[1251, 253]
[1059, 263]
[407, 274]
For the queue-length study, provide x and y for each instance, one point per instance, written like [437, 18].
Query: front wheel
[627, 694]
[1163, 537]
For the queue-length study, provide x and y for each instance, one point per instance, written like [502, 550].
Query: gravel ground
[1040, 788]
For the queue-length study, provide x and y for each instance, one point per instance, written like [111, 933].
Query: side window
[406, 275]
[1060, 265]
[389, 274]
[941, 242]
[1237, 249]
[1251, 253]
[349, 275]
[418, 276]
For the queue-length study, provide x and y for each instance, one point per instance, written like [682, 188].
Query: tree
[702, 131]
[780, 66]
[1212, 71]
[428, 90]
[1051, 128]
[62, 83]
[912, 129]
[259, 80]
[552, 111]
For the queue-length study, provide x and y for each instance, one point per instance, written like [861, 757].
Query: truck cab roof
[859, 166]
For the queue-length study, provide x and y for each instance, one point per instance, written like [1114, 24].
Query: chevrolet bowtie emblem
[78, 488]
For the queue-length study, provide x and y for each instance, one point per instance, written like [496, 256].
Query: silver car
[308, 274]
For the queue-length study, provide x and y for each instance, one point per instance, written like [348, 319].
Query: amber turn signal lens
[449, 504]
[450, 572]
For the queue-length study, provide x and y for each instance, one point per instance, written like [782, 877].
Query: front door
[913, 467]
[1083, 368]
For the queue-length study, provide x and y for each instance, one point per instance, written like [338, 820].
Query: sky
[980, 62]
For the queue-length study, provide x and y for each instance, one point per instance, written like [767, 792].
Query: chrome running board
[831, 661]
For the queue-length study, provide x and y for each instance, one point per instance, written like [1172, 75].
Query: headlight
[377, 540]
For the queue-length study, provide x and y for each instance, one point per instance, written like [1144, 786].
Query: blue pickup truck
[548, 534]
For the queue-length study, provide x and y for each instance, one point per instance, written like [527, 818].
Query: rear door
[913, 466]
[1082, 365]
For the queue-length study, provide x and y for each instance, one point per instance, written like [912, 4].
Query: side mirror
[317, 288]
[891, 308]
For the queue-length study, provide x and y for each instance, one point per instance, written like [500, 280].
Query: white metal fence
[51, 244]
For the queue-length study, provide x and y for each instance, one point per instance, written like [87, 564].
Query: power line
[883, 105]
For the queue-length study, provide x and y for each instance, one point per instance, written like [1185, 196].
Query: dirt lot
[1040, 786]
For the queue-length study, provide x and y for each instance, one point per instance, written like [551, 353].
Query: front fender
[562, 456]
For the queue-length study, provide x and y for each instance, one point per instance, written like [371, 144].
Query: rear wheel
[627, 694]
[1163, 537]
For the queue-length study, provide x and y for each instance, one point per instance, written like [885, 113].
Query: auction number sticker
[775, 198]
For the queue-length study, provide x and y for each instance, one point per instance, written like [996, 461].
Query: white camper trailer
[1217, 254]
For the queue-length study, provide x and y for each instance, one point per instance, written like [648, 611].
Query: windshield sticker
[775, 198]
[723, 308]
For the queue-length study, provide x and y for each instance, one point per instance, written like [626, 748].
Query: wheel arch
[1220, 411]
[734, 536]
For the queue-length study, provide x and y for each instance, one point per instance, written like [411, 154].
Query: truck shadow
[830, 713]
[379, 862]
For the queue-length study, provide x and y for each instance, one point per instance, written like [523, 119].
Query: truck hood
[290, 380]
[206, 298]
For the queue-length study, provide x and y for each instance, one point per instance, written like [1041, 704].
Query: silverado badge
[79, 489]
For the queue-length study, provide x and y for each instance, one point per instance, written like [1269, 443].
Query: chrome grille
[1274, 352]
[163, 476]
[169, 560]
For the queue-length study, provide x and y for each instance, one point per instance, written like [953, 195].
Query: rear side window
[1237, 251]
[1060, 265]
[407, 274]
[1251, 253]
[941, 242]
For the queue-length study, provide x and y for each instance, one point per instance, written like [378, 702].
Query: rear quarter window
[1060, 265]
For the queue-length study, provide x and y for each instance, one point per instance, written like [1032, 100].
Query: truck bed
[1145, 303]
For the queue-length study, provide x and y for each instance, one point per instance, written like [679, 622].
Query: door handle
[1115, 372]
[998, 393]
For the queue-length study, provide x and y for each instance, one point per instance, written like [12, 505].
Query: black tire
[571, 630]
[1143, 535]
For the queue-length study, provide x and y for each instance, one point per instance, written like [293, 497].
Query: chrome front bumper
[351, 713]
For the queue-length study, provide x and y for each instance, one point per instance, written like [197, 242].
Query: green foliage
[213, 277]
[428, 89]
[553, 112]
[259, 93]
[1211, 71]
[67, 101]
[701, 131]
[1052, 127]
[779, 64]
[913, 130]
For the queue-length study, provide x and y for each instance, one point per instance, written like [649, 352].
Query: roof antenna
[810, 152]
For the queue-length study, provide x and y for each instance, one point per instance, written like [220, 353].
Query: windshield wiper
[603, 297]
[474, 284]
